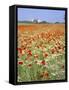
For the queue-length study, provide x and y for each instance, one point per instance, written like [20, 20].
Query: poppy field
[41, 52]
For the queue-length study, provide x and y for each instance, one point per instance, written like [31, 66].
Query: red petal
[20, 62]
[30, 65]
[19, 49]
[43, 62]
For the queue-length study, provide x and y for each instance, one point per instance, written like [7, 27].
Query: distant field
[40, 27]
[41, 52]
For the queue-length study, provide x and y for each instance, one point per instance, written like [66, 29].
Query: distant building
[35, 21]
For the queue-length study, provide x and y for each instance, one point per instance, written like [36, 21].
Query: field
[41, 52]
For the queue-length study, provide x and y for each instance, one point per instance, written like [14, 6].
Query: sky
[27, 14]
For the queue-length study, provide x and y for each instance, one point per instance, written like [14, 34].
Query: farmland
[41, 52]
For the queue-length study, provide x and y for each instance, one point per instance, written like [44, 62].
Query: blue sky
[41, 14]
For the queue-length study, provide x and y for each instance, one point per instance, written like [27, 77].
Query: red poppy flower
[36, 56]
[55, 48]
[37, 46]
[52, 50]
[43, 62]
[20, 62]
[29, 52]
[62, 66]
[46, 54]
[24, 48]
[19, 49]
[30, 65]
[46, 74]
[59, 47]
